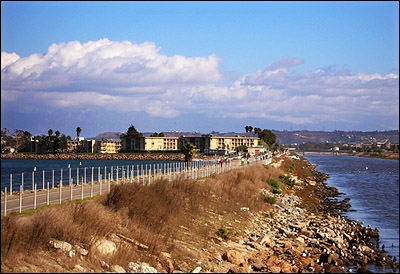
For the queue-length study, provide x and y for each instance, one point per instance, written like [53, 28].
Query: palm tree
[57, 133]
[50, 132]
[250, 129]
[246, 128]
[257, 130]
[189, 150]
[78, 132]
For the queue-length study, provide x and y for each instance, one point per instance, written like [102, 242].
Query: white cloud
[105, 65]
[128, 77]
[8, 58]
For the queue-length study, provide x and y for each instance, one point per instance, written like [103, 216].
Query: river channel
[373, 188]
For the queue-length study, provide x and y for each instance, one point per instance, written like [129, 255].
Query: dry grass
[162, 216]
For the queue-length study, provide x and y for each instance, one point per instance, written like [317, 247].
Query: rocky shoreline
[291, 239]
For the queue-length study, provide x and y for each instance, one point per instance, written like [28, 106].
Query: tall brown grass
[150, 214]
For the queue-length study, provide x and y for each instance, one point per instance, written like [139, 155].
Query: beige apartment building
[161, 143]
[103, 146]
[205, 144]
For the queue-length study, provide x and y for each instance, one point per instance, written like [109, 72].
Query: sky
[199, 66]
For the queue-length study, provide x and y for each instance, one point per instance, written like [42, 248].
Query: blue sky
[199, 66]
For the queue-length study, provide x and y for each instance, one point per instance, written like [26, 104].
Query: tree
[161, 134]
[242, 148]
[189, 150]
[132, 132]
[78, 132]
[50, 132]
[64, 143]
[246, 128]
[257, 130]
[57, 133]
[250, 129]
[268, 137]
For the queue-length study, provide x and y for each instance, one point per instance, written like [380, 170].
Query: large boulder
[235, 257]
[105, 247]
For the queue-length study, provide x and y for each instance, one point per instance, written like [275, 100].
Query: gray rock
[64, 246]
[105, 247]
[117, 268]
[140, 268]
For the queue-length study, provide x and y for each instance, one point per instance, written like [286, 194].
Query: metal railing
[84, 182]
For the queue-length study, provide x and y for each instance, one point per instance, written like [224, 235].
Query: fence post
[60, 190]
[131, 175]
[20, 198]
[52, 179]
[48, 194]
[5, 201]
[33, 179]
[84, 175]
[137, 174]
[92, 175]
[149, 175]
[98, 176]
[61, 174]
[117, 175]
[22, 180]
[43, 180]
[77, 176]
[34, 197]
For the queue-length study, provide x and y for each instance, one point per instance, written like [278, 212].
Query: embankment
[276, 218]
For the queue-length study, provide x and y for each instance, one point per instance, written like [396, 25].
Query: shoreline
[392, 156]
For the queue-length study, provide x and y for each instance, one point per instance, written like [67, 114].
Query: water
[373, 188]
[17, 166]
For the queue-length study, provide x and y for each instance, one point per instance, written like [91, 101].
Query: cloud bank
[127, 77]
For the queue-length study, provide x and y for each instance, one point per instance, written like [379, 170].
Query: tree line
[20, 141]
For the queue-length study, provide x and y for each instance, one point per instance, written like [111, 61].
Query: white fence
[86, 182]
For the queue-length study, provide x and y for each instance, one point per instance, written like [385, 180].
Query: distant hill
[289, 137]
[107, 136]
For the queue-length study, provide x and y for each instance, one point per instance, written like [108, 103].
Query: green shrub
[286, 179]
[292, 167]
[273, 182]
[276, 190]
[269, 199]
[224, 233]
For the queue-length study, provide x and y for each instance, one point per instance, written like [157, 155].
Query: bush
[276, 190]
[269, 199]
[287, 180]
[273, 183]
[223, 233]
[292, 167]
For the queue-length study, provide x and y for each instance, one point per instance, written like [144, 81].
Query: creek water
[373, 188]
